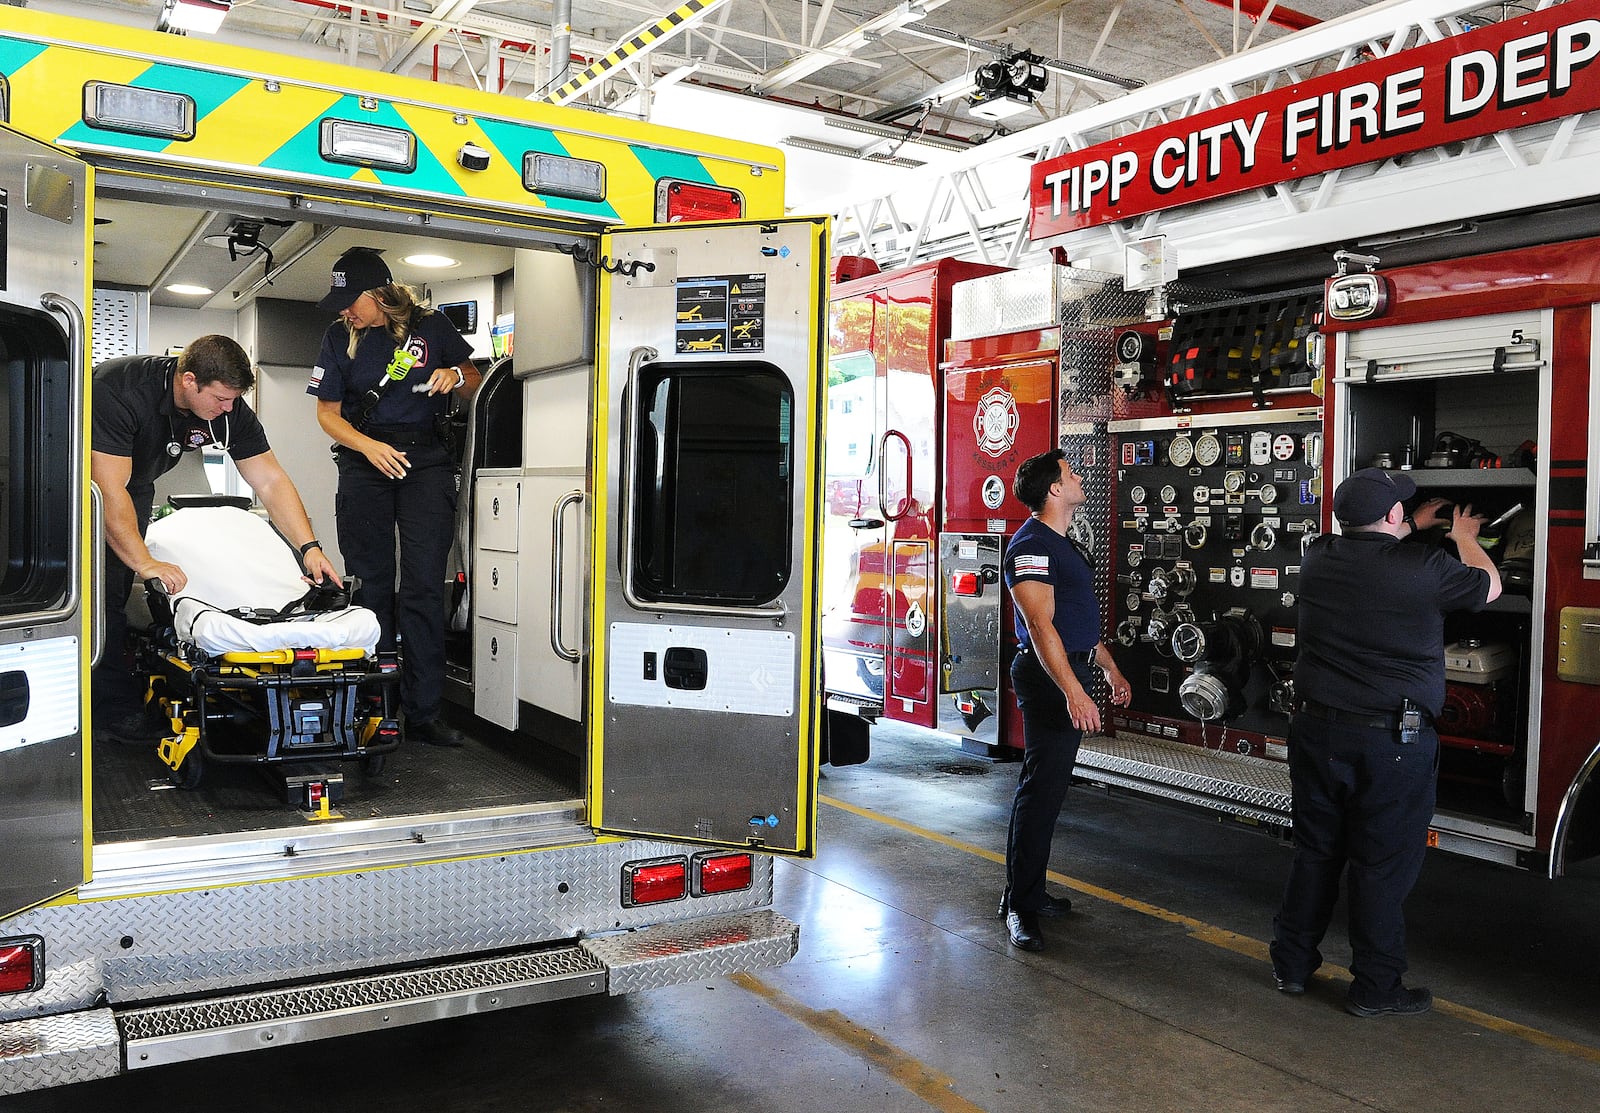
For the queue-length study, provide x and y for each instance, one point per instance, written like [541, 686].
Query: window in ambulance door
[36, 446]
[715, 497]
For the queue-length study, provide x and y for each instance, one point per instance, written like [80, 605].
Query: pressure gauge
[1233, 482]
[1283, 447]
[1135, 557]
[1180, 452]
[1132, 601]
[1169, 495]
[1188, 642]
[1137, 493]
[1268, 494]
[1207, 450]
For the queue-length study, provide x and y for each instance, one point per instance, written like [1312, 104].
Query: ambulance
[632, 652]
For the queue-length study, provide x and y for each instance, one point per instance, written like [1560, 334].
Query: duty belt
[1350, 718]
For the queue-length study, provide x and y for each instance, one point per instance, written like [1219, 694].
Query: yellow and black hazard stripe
[648, 39]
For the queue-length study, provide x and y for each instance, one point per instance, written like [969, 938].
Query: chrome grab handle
[883, 476]
[558, 555]
[97, 570]
[629, 480]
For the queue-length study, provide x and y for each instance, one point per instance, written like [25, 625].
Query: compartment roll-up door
[1504, 342]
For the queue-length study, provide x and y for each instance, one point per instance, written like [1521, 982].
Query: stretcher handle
[558, 554]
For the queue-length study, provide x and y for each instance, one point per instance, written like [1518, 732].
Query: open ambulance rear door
[709, 410]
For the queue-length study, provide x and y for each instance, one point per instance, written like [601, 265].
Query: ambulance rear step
[75, 1047]
[1249, 788]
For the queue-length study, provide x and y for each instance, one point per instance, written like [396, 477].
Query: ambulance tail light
[21, 964]
[654, 881]
[679, 202]
[966, 583]
[716, 872]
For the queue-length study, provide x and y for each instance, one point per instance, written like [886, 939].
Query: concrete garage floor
[1156, 993]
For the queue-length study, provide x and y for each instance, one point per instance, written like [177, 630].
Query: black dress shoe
[434, 732]
[1053, 906]
[1288, 985]
[1024, 929]
[1408, 1002]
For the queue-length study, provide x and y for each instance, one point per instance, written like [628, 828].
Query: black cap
[356, 272]
[1366, 496]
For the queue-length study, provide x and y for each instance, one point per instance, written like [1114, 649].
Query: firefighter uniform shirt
[1039, 554]
[433, 343]
[135, 416]
[1372, 621]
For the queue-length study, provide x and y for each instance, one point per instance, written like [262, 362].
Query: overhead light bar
[822, 147]
[179, 17]
[884, 131]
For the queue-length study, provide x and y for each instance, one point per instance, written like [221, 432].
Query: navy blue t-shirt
[433, 342]
[1038, 554]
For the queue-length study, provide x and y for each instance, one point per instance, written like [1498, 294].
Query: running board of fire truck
[79, 1046]
[1248, 788]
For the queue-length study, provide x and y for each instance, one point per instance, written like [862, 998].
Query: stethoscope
[176, 447]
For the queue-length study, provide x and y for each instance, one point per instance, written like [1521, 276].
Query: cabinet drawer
[494, 673]
[494, 586]
[494, 514]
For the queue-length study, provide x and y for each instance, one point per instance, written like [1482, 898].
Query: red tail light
[21, 965]
[679, 202]
[654, 882]
[965, 583]
[721, 873]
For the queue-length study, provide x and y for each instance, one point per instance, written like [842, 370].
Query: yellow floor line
[922, 1081]
[1229, 940]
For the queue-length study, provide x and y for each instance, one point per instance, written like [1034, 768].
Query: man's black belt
[402, 435]
[1074, 656]
[1350, 718]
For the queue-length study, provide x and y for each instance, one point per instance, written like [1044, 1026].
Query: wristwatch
[309, 545]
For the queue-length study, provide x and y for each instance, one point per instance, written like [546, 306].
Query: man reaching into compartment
[1363, 753]
[148, 411]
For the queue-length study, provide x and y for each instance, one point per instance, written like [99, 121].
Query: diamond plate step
[1237, 784]
[694, 951]
[46, 1051]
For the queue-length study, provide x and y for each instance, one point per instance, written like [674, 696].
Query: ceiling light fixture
[189, 290]
[431, 262]
[179, 17]
[884, 131]
[822, 147]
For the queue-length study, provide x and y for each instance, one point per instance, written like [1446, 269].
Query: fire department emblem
[995, 423]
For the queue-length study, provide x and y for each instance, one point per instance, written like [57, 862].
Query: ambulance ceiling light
[204, 17]
[431, 262]
[187, 290]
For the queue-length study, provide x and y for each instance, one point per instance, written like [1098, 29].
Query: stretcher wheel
[188, 775]
[373, 764]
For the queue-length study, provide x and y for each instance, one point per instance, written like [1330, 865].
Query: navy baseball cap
[356, 272]
[1367, 495]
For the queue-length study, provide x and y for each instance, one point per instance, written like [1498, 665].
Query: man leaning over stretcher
[149, 411]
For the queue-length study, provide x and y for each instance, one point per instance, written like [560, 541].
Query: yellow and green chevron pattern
[658, 33]
[260, 114]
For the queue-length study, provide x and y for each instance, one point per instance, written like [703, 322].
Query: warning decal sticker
[723, 313]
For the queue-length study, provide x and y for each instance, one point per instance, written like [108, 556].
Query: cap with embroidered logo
[356, 272]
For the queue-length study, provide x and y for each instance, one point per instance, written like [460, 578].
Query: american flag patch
[1030, 564]
[316, 378]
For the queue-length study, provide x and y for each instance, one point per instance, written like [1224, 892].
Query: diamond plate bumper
[671, 954]
[1236, 784]
[46, 1051]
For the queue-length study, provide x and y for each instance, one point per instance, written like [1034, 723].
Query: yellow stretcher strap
[287, 656]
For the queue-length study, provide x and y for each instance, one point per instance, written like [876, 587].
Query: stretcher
[251, 664]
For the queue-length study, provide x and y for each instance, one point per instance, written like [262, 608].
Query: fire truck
[636, 671]
[1389, 264]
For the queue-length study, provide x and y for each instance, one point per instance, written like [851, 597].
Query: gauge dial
[1268, 493]
[1137, 493]
[1207, 450]
[1233, 481]
[1169, 495]
[1180, 452]
[1135, 558]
